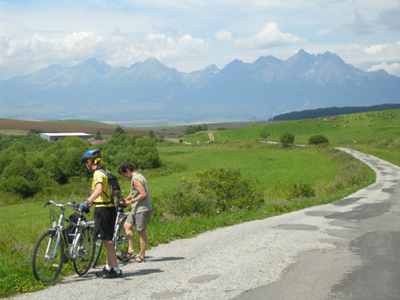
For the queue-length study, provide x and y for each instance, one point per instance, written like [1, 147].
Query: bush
[265, 134]
[302, 190]
[185, 200]
[317, 139]
[213, 191]
[193, 129]
[286, 139]
[139, 151]
[19, 185]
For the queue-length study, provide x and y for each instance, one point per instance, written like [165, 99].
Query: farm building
[53, 137]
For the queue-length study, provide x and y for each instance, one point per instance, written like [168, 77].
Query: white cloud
[270, 36]
[376, 48]
[393, 69]
[31, 54]
[383, 52]
[164, 47]
[80, 41]
[223, 35]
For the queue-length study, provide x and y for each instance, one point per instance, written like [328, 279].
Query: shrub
[265, 134]
[317, 139]
[193, 128]
[302, 190]
[286, 139]
[118, 131]
[185, 200]
[98, 136]
[213, 191]
[19, 185]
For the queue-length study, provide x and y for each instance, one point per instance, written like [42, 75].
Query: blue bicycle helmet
[90, 154]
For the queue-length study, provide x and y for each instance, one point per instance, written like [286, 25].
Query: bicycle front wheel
[85, 250]
[48, 259]
[121, 243]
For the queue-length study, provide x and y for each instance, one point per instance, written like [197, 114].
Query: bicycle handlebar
[73, 204]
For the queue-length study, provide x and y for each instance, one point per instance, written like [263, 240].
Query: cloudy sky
[190, 35]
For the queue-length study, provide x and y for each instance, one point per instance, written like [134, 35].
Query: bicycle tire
[121, 243]
[99, 247]
[85, 250]
[47, 269]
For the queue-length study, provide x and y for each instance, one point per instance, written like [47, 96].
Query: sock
[108, 268]
[116, 269]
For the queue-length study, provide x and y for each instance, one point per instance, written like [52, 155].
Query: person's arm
[97, 192]
[128, 198]
[141, 192]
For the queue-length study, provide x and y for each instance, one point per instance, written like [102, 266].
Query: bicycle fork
[57, 233]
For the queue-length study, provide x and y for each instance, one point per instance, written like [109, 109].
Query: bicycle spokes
[48, 257]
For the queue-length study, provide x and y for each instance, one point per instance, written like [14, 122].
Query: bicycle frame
[121, 216]
[59, 228]
[81, 250]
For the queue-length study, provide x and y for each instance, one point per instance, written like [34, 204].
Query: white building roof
[66, 134]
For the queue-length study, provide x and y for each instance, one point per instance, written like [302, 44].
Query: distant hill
[26, 125]
[331, 111]
[149, 90]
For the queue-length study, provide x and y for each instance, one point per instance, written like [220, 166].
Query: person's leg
[104, 222]
[113, 270]
[142, 220]
[130, 236]
[143, 244]
[111, 254]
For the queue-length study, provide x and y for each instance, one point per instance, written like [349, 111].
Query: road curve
[344, 250]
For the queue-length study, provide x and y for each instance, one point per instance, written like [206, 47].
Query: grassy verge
[390, 155]
[331, 173]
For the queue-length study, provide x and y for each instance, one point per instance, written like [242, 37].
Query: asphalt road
[346, 250]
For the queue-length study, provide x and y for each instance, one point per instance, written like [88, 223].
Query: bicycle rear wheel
[84, 252]
[47, 260]
[99, 247]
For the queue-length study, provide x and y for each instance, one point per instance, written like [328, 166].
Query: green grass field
[268, 165]
[340, 130]
[375, 133]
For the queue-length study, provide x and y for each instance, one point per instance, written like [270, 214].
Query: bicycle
[120, 240]
[53, 248]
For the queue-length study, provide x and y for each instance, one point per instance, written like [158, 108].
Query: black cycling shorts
[104, 221]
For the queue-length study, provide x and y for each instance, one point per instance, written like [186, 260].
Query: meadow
[376, 133]
[329, 173]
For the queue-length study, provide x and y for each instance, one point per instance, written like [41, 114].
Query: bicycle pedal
[82, 250]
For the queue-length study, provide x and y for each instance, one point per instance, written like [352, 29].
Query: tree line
[331, 111]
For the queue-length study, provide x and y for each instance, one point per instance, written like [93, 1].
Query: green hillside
[340, 130]
[377, 133]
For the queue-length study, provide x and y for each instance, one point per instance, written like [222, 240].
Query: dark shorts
[139, 220]
[104, 221]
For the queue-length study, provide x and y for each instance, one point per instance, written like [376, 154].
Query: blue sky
[190, 35]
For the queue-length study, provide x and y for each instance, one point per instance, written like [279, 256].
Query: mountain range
[150, 90]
